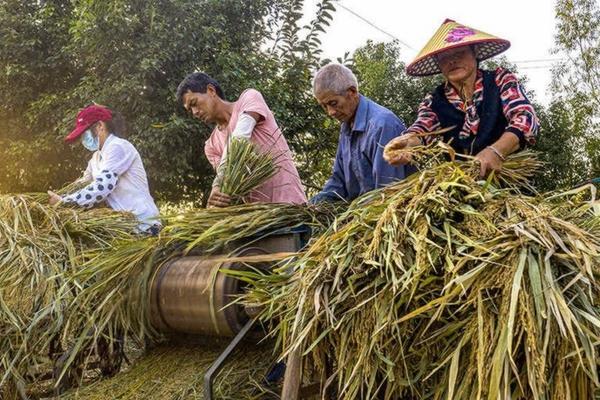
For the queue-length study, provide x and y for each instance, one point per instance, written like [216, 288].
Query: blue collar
[360, 117]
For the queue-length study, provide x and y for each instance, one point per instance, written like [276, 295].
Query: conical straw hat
[452, 35]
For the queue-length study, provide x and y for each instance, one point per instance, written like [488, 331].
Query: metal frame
[301, 234]
[220, 361]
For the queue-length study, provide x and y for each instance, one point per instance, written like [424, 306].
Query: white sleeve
[243, 130]
[244, 127]
[87, 175]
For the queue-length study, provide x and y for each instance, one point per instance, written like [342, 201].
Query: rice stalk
[246, 168]
[446, 287]
[39, 246]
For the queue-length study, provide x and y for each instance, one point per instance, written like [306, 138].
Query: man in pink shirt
[248, 118]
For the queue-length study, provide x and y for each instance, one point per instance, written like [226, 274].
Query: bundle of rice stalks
[516, 173]
[67, 189]
[114, 287]
[213, 229]
[39, 245]
[245, 169]
[422, 156]
[445, 287]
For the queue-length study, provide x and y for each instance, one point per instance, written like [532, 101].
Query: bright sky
[528, 24]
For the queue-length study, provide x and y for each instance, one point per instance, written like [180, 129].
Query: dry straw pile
[445, 287]
[74, 284]
[40, 248]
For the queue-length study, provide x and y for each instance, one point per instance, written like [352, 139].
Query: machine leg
[293, 376]
[220, 361]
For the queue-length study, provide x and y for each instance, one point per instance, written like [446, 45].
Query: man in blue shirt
[366, 127]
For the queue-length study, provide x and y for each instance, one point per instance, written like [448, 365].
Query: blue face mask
[90, 141]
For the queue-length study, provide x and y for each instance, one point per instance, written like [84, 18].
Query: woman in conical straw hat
[486, 112]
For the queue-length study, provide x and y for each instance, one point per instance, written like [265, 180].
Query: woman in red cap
[486, 112]
[116, 173]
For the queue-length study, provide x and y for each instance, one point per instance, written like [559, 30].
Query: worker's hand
[390, 152]
[54, 198]
[488, 162]
[218, 199]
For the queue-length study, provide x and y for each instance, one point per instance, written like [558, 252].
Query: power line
[538, 67]
[538, 60]
[374, 26]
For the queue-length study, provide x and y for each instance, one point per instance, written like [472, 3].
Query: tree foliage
[577, 39]
[563, 152]
[58, 56]
[382, 77]
[130, 55]
[576, 90]
[296, 55]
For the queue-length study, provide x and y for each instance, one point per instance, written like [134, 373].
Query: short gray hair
[335, 78]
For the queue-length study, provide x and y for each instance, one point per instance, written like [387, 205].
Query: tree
[382, 77]
[562, 152]
[576, 80]
[288, 90]
[131, 55]
[577, 39]
[32, 64]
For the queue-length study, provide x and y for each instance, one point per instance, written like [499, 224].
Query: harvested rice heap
[443, 286]
[74, 284]
[40, 247]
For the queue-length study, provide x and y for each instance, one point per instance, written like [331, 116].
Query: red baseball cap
[86, 118]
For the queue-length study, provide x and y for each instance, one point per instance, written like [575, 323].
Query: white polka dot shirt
[118, 178]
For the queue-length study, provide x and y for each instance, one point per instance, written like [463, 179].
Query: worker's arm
[492, 157]
[117, 160]
[518, 110]
[95, 193]
[522, 127]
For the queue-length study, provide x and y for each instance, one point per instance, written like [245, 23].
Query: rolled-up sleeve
[427, 120]
[97, 191]
[520, 114]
